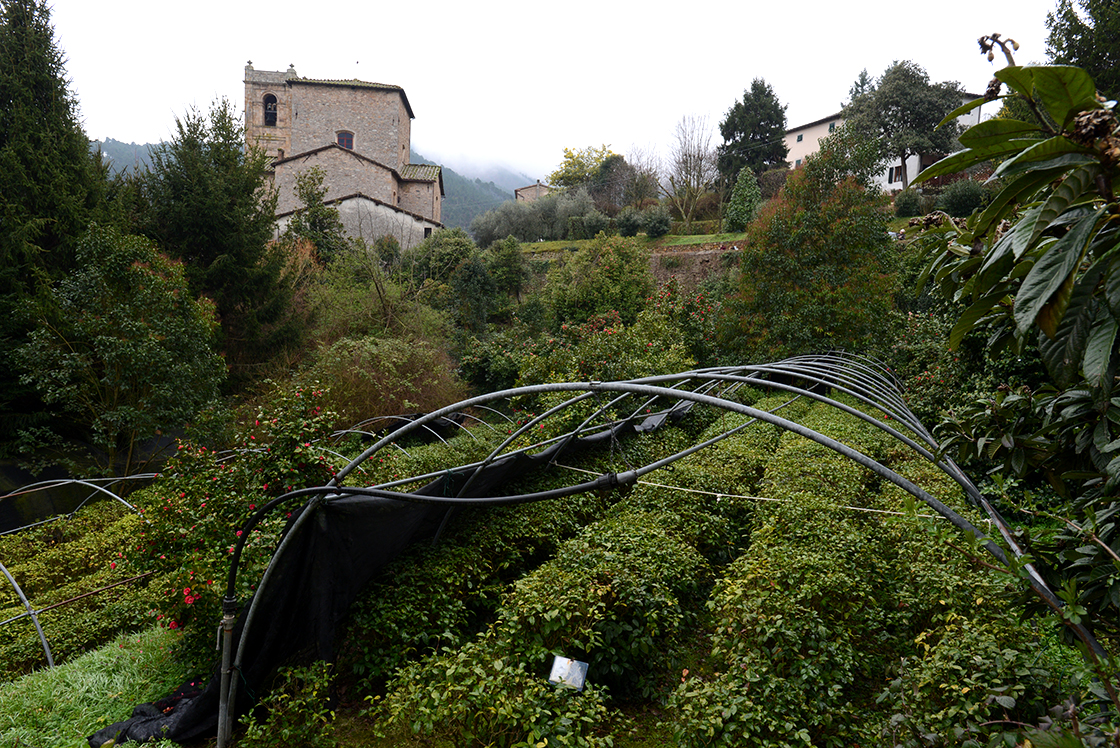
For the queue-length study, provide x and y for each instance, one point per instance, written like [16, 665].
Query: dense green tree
[745, 201]
[817, 269]
[436, 258]
[753, 132]
[1085, 33]
[863, 84]
[903, 111]
[206, 203]
[610, 273]
[128, 357]
[579, 166]
[50, 184]
[610, 182]
[548, 218]
[317, 222]
[507, 266]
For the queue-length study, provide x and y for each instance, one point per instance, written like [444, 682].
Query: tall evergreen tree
[205, 202]
[753, 133]
[49, 186]
[1087, 39]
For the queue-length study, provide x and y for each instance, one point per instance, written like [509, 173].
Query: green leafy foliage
[66, 559]
[656, 221]
[792, 615]
[816, 272]
[316, 222]
[129, 356]
[549, 218]
[204, 203]
[373, 377]
[629, 222]
[960, 198]
[745, 201]
[902, 113]
[51, 187]
[298, 712]
[1037, 269]
[753, 132]
[908, 203]
[609, 274]
[195, 512]
[579, 166]
[1081, 34]
[604, 349]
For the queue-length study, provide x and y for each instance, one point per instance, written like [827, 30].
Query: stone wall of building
[377, 118]
[345, 173]
[420, 197]
[368, 220]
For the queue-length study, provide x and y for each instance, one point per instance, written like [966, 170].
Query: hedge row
[832, 609]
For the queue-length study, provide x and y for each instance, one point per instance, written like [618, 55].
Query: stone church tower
[359, 134]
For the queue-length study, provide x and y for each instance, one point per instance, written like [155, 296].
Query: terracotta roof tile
[421, 172]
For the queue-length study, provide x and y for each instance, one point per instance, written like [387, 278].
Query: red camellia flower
[112, 564]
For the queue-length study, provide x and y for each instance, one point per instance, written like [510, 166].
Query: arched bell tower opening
[269, 110]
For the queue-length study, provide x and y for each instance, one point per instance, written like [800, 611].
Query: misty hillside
[465, 198]
[123, 156]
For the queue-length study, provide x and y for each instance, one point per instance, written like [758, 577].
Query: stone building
[531, 193]
[359, 134]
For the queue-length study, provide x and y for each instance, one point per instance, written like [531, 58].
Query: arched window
[346, 139]
[269, 110]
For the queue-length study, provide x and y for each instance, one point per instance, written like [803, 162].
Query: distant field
[653, 245]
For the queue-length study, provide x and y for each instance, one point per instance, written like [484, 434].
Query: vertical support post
[226, 691]
[31, 612]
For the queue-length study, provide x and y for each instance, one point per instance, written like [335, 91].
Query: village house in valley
[804, 140]
[359, 134]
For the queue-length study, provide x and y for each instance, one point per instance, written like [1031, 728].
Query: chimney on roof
[291, 72]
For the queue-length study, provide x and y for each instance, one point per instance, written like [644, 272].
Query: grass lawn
[60, 707]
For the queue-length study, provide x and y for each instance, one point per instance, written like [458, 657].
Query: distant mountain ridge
[465, 196]
[123, 156]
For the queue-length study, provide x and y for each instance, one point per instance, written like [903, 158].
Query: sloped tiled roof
[421, 172]
[355, 83]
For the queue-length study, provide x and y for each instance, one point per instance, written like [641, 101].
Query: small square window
[796, 165]
[831, 126]
[799, 137]
[346, 140]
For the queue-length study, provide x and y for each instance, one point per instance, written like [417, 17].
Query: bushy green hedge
[63, 560]
[827, 602]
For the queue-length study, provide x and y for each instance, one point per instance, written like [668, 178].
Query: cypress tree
[48, 186]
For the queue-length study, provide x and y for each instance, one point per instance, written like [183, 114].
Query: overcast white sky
[517, 82]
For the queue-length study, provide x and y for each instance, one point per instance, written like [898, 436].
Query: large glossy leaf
[964, 109]
[1020, 234]
[997, 130]
[1100, 350]
[970, 157]
[1047, 154]
[1065, 91]
[1076, 183]
[1062, 352]
[1051, 272]
[976, 312]
[1019, 79]
[1018, 191]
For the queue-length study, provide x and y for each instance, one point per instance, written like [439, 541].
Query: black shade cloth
[324, 567]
